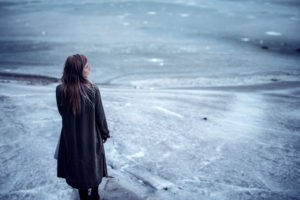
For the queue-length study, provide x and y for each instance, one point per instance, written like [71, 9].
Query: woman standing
[81, 157]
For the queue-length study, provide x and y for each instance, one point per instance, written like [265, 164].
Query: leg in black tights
[95, 194]
[83, 193]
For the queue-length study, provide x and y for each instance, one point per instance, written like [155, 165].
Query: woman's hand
[104, 140]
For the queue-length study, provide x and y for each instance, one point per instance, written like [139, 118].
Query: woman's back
[81, 156]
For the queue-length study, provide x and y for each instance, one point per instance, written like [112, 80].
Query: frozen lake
[202, 98]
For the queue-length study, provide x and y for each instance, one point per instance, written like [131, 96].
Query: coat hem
[80, 187]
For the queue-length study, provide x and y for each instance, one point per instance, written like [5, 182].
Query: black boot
[95, 195]
[83, 193]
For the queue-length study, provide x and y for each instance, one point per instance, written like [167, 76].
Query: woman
[81, 157]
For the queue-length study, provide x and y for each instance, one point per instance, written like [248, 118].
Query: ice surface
[201, 97]
[247, 148]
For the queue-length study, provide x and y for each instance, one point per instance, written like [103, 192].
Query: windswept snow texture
[202, 97]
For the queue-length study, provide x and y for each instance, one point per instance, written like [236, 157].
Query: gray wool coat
[81, 156]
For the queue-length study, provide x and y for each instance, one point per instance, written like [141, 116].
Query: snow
[201, 97]
[155, 60]
[273, 33]
[168, 111]
[245, 39]
[184, 15]
[231, 153]
[151, 13]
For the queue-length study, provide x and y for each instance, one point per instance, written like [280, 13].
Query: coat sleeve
[100, 116]
[58, 102]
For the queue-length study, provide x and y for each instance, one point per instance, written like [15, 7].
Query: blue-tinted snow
[201, 97]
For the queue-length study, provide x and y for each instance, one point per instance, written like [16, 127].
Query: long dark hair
[74, 85]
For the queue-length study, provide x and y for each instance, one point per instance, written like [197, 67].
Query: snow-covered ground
[161, 145]
[202, 97]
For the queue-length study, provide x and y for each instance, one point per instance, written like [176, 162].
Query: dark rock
[274, 79]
